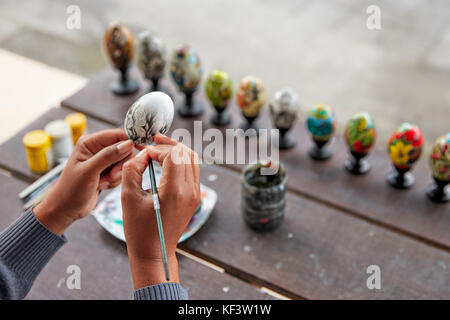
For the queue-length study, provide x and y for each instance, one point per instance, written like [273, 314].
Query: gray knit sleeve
[163, 291]
[26, 246]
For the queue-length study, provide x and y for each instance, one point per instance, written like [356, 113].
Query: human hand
[95, 164]
[179, 195]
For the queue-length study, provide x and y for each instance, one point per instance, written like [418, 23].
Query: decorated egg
[284, 108]
[119, 45]
[150, 114]
[151, 55]
[185, 68]
[251, 96]
[321, 122]
[219, 88]
[440, 158]
[360, 133]
[405, 145]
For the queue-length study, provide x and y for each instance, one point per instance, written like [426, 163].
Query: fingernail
[124, 146]
[142, 153]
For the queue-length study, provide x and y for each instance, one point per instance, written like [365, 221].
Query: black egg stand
[190, 107]
[358, 164]
[156, 85]
[320, 151]
[401, 178]
[221, 118]
[437, 191]
[250, 124]
[287, 140]
[125, 84]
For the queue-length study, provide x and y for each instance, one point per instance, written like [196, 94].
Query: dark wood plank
[105, 272]
[11, 205]
[97, 100]
[318, 252]
[104, 264]
[368, 197]
[12, 151]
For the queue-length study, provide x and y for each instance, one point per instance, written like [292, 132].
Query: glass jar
[263, 197]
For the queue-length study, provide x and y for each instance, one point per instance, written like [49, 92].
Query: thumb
[132, 173]
[110, 155]
[159, 152]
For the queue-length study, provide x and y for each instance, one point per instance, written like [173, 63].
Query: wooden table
[336, 225]
[104, 265]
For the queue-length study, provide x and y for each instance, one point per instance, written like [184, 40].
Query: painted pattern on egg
[251, 96]
[219, 88]
[152, 56]
[405, 146]
[321, 122]
[149, 115]
[284, 108]
[185, 68]
[440, 158]
[360, 133]
[119, 45]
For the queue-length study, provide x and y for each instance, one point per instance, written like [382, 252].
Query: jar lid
[36, 139]
[58, 129]
[76, 120]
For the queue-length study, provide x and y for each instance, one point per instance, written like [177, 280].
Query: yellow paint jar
[77, 122]
[38, 149]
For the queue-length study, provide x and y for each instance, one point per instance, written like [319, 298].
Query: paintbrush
[158, 217]
[149, 115]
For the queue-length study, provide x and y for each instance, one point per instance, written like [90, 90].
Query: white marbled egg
[150, 114]
[284, 108]
[152, 55]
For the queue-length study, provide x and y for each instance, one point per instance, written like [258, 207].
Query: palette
[108, 212]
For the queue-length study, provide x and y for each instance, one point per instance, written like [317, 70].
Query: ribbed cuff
[26, 246]
[163, 291]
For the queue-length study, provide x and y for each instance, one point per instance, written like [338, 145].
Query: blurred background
[323, 49]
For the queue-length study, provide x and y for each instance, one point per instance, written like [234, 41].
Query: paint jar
[38, 149]
[263, 197]
[61, 138]
[77, 122]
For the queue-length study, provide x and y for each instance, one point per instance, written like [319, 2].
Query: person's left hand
[95, 164]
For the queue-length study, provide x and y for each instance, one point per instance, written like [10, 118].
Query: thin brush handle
[158, 217]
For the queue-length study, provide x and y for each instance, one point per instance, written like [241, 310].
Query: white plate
[108, 212]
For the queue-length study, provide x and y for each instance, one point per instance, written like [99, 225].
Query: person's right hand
[179, 195]
[94, 165]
